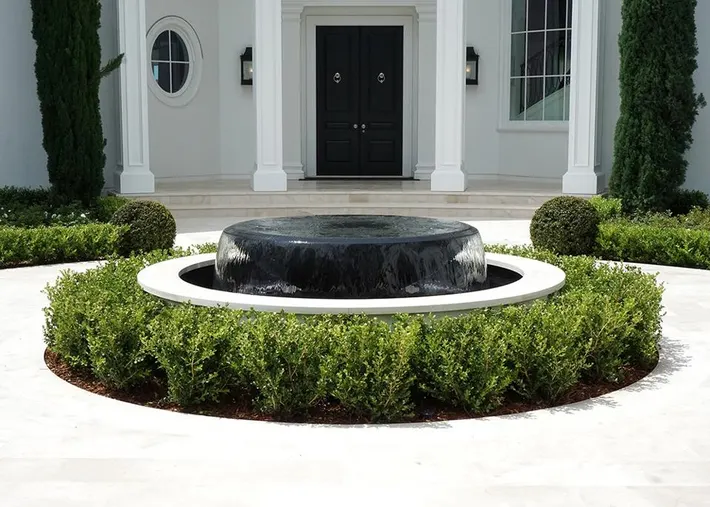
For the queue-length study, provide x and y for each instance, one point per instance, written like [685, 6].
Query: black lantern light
[471, 66]
[247, 60]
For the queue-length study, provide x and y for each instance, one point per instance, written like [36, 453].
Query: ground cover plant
[667, 238]
[37, 227]
[600, 332]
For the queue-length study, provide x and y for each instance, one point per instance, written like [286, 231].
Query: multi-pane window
[171, 61]
[541, 39]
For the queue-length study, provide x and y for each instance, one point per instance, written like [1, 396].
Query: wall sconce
[472, 60]
[247, 61]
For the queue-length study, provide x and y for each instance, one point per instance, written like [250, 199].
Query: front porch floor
[484, 199]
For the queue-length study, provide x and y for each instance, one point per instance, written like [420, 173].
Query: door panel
[359, 92]
[337, 89]
[381, 100]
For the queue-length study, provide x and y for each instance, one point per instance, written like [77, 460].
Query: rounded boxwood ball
[565, 225]
[151, 227]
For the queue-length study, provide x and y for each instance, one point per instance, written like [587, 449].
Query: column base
[583, 182]
[448, 179]
[294, 171]
[131, 181]
[269, 180]
[423, 171]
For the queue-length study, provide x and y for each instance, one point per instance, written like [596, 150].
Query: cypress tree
[68, 71]
[658, 50]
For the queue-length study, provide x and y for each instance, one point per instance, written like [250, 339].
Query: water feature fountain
[351, 264]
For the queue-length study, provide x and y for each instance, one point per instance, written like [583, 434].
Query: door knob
[364, 126]
[355, 126]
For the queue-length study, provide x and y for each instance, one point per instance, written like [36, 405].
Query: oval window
[170, 61]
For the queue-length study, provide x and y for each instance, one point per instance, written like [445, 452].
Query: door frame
[407, 22]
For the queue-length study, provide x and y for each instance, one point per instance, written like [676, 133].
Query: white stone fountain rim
[538, 280]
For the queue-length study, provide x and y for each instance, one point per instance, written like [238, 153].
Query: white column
[450, 97]
[134, 175]
[426, 121]
[268, 94]
[293, 130]
[583, 175]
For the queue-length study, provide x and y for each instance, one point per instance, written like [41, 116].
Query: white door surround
[409, 111]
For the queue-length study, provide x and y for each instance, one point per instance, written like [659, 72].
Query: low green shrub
[654, 244]
[29, 208]
[463, 360]
[369, 368]
[608, 208]
[55, 245]
[196, 347]
[605, 319]
[281, 357]
[565, 225]
[151, 227]
[684, 200]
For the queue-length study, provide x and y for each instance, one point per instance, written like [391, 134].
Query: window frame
[505, 124]
[189, 36]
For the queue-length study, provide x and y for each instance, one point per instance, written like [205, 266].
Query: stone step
[336, 199]
[480, 212]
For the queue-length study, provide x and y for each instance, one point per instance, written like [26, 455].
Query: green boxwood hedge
[606, 318]
[57, 244]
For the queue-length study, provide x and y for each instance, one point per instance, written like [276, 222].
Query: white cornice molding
[297, 6]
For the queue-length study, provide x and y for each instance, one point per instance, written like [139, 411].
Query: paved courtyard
[648, 445]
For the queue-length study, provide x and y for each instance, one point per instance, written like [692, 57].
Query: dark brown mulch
[154, 395]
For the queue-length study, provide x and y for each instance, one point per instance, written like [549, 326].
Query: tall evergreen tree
[659, 105]
[68, 70]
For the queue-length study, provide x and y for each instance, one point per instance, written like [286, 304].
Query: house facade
[449, 91]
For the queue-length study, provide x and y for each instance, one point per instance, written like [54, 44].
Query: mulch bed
[154, 395]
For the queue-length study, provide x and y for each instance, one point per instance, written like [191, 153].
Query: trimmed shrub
[151, 227]
[462, 360]
[608, 208]
[659, 104]
[654, 244]
[370, 367]
[604, 320]
[106, 207]
[565, 225]
[196, 347]
[56, 245]
[281, 357]
[683, 201]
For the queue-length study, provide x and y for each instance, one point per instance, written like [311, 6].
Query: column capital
[291, 12]
[426, 13]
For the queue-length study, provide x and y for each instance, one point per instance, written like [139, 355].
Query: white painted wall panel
[185, 141]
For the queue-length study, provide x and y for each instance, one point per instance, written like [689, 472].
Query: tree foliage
[68, 70]
[659, 104]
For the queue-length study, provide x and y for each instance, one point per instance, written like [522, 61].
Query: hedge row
[55, 245]
[605, 319]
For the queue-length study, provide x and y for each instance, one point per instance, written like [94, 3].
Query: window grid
[170, 62]
[525, 78]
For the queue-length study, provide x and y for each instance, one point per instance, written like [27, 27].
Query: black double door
[359, 89]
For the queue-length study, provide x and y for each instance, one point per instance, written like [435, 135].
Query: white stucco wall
[22, 158]
[23, 161]
[185, 141]
[698, 176]
[494, 148]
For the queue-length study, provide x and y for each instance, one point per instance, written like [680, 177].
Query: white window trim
[505, 124]
[194, 51]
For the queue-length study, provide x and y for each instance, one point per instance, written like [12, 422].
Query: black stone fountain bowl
[350, 257]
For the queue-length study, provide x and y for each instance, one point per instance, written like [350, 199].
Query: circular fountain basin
[169, 281]
[351, 257]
